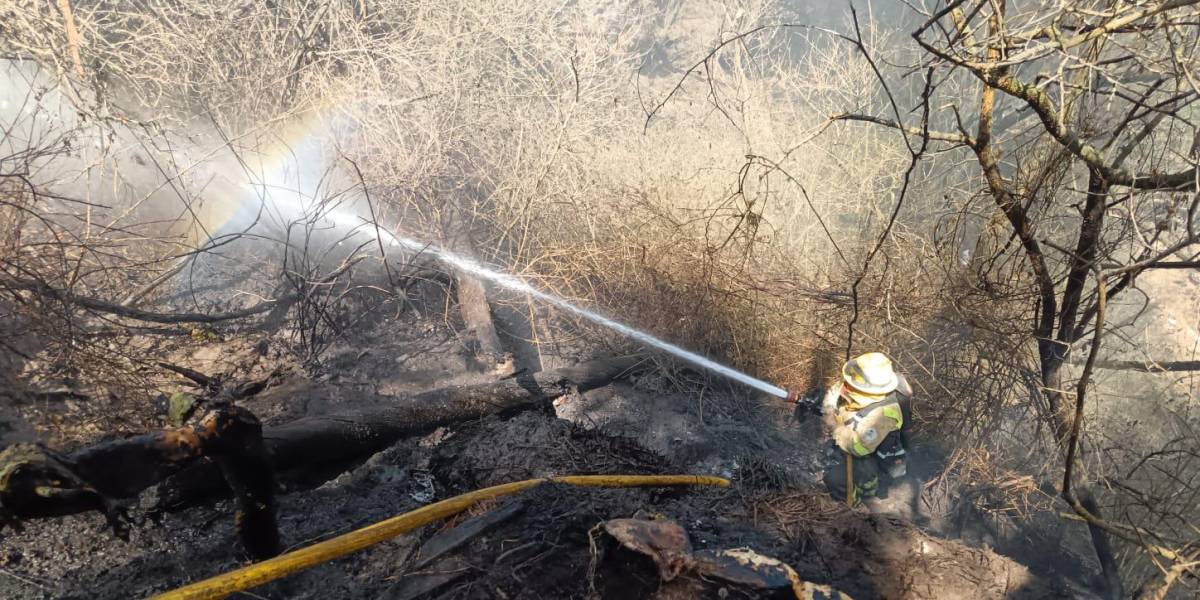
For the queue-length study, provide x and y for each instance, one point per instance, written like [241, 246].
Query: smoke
[517, 285]
[292, 189]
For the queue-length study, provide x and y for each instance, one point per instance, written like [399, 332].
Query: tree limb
[64, 6]
[137, 314]
[1149, 366]
[123, 468]
[1167, 264]
[1043, 106]
[1114, 25]
[940, 136]
[1017, 217]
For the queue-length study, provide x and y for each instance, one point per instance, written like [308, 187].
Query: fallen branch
[123, 468]
[338, 436]
[237, 449]
[36, 482]
[452, 539]
[180, 264]
[1147, 366]
[195, 376]
[138, 314]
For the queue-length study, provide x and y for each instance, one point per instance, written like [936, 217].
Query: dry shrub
[797, 514]
[541, 108]
[46, 239]
[668, 228]
[529, 123]
[730, 219]
[975, 477]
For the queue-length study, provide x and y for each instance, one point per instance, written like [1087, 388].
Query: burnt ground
[892, 548]
[544, 552]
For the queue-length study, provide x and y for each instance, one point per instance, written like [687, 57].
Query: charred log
[238, 451]
[341, 435]
[37, 482]
[474, 307]
[226, 452]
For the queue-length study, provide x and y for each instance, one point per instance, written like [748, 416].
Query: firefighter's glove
[808, 403]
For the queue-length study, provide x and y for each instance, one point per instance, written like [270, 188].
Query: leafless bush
[1089, 166]
[1080, 132]
[538, 113]
[748, 185]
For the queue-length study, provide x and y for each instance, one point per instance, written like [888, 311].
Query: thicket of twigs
[757, 189]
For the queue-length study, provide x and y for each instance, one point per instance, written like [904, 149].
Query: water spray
[290, 188]
[517, 285]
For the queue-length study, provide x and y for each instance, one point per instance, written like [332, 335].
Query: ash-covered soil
[550, 547]
[543, 552]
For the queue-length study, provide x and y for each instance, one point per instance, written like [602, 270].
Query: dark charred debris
[553, 541]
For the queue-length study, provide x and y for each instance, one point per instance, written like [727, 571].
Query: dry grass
[797, 514]
[731, 222]
[974, 477]
[530, 123]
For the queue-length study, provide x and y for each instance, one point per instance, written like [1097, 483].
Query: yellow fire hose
[283, 565]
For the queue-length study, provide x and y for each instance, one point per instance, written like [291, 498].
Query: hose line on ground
[286, 564]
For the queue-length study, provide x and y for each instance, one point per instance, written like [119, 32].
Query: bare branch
[118, 310]
[1149, 366]
[939, 136]
[1043, 106]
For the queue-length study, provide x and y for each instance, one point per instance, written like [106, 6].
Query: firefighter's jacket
[859, 423]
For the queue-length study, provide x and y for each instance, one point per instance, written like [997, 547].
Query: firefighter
[865, 413]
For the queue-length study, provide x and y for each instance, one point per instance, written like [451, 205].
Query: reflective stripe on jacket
[858, 430]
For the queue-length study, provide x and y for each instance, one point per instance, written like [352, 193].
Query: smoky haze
[633, 177]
